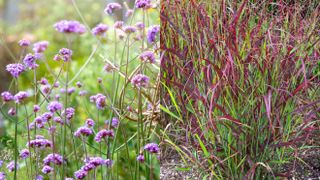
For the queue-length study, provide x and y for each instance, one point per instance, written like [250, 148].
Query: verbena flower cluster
[49, 114]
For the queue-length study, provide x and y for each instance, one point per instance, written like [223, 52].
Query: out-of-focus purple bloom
[69, 113]
[1, 163]
[147, 56]
[64, 54]
[39, 143]
[99, 80]
[152, 33]
[108, 67]
[15, 69]
[129, 29]
[7, 96]
[30, 61]
[111, 7]
[46, 169]
[140, 25]
[52, 129]
[85, 131]
[114, 122]
[12, 111]
[79, 84]
[90, 122]
[46, 116]
[46, 89]
[39, 122]
[56, 84]
[40, 46]
[143, 4]
[20, 96]
[140, 158]
[102, 134]
[152, 148]
[11, 166]
[39, 177]
[68, 179]
[36, 108]
[71, 90]
[24, 43]
[118, 24]
[24, 153]
[129, 12]
[57, 97]
[53, 158]
[100, 100]
[80, 174]
[43, 81]
[100, 30]
[66, 26]
[58, 120]
[2, 176]
[140, 80]
[83, 93]
[54, 106]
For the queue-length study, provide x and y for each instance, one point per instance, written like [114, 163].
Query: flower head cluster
[53, 158]
[140, 158]
[140, 80]
[24, 43]
[24, 153]
[40, 46]
[129, 29]
[114, 122]
[69, 113]
[143, 4]
[90, 164]
[100, 100]
[20, 96]
[152, 148]
[15, 69]
[90, 122]
[40, 143]
[2, 176]
[118, 24]
[152, 33]
[54, 106]
[100, 29]
[64, 54]
[84, 131]
[46, 169]
[102, 134]
[66, 26]
[111, 7]
[12, 166]
[47, 116]
[147, 56]
[7, 96]
[30, 61]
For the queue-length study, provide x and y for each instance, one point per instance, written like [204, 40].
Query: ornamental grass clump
[240, 85]
[72, 122]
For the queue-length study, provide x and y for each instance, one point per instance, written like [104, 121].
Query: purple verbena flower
[118, 24]
[43, 81]
[140, 158]
[40, 46]
[7, 96]
[46, 169]
[58, 120]
[90, 122]
[100, 100]
[12, 166]
[102, 134]
[79, 84]
[152, 148]
[108, 162]
[140, 80]
[39, 143]
[20, 96]
[69, 113]
[24, 43]
[100, 30]
[114, 122]
[129, 29]
[66, 26]
[24, 153]
[15, 69]
[46, 116]
[36, 108]
[143, 4]
[139, 25]
[129, 12]
[2, 176]
[39, 177]
[84, 131]
[46, 89]
[83, 93]
[80, 174]
[111, 7]
[53, 158]
[152, 33]
[54, 106]
[30, 61]
[64, 54]
[147, 56]
[12, 111]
